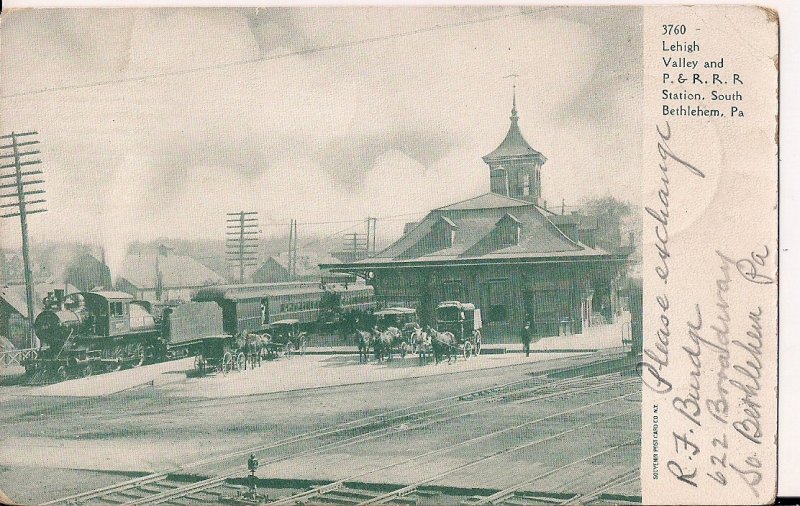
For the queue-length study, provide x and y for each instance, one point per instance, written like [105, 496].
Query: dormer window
[509, 229]
[445, 232]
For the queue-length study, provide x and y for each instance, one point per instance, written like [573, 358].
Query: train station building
[504, 252]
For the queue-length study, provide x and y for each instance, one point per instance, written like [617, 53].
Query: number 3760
[673, 29]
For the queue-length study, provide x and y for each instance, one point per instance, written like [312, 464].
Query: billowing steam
[121, 212]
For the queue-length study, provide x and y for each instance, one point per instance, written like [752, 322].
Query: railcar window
[117, 309]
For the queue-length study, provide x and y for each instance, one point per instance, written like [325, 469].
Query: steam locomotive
[93, 332]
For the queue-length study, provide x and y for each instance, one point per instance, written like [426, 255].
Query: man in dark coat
[525, 335]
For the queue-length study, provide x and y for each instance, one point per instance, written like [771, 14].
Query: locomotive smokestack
[58, 294]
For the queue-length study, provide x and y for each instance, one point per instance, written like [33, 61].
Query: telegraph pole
[19, 202]
[240, 245]
[356, 243]
[372, 223]
[294, 251]
[369, 233]
[291, 262]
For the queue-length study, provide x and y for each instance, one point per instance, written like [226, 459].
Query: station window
[452, 290]
[498, 300]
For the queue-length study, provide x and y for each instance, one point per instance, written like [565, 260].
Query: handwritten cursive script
[655, 361]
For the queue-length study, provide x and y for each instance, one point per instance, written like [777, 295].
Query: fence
[17, 357]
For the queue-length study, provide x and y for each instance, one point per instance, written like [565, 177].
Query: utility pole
[374, 234]
[371, 225]
[357, 244]
[294, 252]
[240, 245]
[291, 261]
[19, 202]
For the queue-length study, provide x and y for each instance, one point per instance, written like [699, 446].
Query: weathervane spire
[514, 77]
[514, 100]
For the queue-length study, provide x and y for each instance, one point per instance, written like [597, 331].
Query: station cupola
[515, 167]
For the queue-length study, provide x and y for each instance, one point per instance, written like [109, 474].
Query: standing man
[525, 335]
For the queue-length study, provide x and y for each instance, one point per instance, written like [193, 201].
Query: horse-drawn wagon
[284, 337]
[220, 353]
[463, 321]
[399, 327]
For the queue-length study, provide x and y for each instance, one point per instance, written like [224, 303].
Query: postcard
[519, 255]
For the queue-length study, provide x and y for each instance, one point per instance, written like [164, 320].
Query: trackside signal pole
[240, 245]
[21, 187]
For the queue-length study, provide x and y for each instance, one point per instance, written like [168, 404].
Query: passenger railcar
[254, 307]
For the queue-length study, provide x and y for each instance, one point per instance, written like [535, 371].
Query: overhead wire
[299, 52]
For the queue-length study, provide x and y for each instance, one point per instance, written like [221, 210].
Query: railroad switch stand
[252, 494]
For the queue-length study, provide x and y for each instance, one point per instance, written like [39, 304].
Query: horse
[252, 345]
[423, 345]
[399, 342]
[363, 340]
[416, 339]
[383, 345]
[443, 343]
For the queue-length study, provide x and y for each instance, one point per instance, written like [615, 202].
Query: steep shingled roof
[476, 235]
[176, 271]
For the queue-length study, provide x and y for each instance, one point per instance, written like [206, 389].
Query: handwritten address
[729, 408]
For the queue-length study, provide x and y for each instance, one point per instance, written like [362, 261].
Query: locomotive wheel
[241, 361]
[199, 364]
[62, 374]
[136, 355]
[227, 363]
[117, 355]
[289, 349]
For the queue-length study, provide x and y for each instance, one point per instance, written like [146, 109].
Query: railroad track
[193, 492]
[400, 492]
[169, 496]
[159, 489]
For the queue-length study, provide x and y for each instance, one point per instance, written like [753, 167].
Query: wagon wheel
[290, 349]
[227, 363]
[62, 374]
[403, 349]
[477, 342]
[199, 364]
[241, 361]
[467, 349]
[303, 346]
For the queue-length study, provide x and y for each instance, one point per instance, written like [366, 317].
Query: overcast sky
[390, 126]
